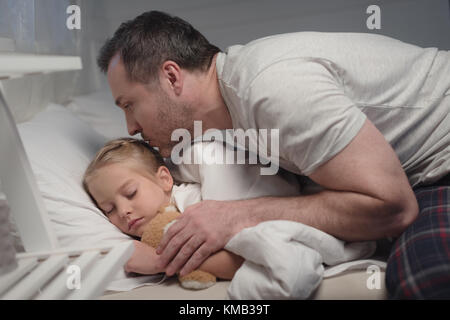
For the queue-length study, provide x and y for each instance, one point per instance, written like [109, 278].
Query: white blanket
[285, 260]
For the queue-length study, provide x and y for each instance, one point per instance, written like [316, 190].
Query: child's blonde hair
[124, 150]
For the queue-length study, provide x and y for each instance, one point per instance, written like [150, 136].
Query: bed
[70, 134]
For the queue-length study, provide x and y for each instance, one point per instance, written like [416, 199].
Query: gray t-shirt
[319, 88]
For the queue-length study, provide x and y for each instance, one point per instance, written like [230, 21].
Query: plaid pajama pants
[418, 266]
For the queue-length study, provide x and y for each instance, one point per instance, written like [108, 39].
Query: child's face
[128, 197]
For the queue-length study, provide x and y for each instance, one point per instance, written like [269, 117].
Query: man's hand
[203, 229]
[144, 260]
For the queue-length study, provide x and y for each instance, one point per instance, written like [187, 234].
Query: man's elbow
[403, 214]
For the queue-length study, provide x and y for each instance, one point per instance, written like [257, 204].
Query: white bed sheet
[349, 285]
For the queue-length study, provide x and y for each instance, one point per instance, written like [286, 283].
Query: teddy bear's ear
[169, 208]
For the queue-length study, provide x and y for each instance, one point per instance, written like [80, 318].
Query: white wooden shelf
[14, 65]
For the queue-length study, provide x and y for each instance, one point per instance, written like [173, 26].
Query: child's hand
[144, 260]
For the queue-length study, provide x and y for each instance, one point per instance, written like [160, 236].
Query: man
[364, 116]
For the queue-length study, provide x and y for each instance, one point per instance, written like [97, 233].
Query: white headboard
[20, 187]
[16, 177]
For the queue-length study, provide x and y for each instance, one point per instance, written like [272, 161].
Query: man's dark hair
[152, 38]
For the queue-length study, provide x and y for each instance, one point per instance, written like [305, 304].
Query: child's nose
[124, 210]
[125, 213]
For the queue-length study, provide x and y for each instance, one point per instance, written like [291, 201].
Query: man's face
[148, 109]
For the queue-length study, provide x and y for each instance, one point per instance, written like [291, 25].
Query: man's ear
[165, 178]
[171, 76]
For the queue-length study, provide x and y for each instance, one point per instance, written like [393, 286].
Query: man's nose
[132, 126]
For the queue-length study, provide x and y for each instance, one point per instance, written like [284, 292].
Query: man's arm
[368, 196]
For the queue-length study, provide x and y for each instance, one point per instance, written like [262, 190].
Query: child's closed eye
[108, 210]
[131, 194]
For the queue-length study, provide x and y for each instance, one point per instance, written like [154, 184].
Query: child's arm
[223, 264]
[144, 259]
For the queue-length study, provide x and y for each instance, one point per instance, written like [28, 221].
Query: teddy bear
[152, 235]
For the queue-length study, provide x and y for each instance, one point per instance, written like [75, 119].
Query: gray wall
[423, 22]
[39, 26]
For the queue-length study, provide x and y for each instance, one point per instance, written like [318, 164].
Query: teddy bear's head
[154, 230]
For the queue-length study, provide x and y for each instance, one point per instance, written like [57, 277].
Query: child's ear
[165, 178]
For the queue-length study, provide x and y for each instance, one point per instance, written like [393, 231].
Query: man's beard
[172, 116]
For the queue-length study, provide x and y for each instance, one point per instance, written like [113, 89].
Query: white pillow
[98, 109]
[60, 146]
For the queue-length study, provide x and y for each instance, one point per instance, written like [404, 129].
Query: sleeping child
[129, 183]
